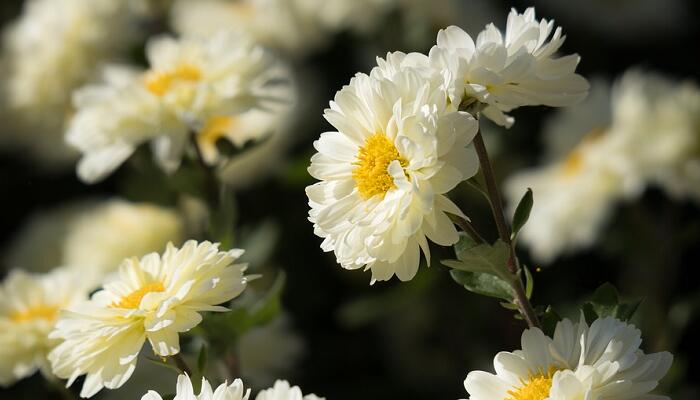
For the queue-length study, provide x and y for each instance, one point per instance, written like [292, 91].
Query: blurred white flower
[100, 238]
[29, 308]
[155, 298]
[269, 351]
[602, 361]
[283, 391]
[53, 48]
[293, 26]
[656, 122]
[189, 82]
[385, 173]
[509, 71]
[642, 131]
[185, 391]
[572, 198]
[94, 237]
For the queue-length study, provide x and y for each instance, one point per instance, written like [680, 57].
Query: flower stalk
[504, 233]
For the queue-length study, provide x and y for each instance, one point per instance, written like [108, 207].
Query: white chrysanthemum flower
[642, 131]
[156, 298]
[189, 82]
[94, 237]
[53, 48]
[100, 238]
[573, 198]
[283, 391]
[293, 26]
[602, 361]
[506, 71]
[656, 123]
[384, 174]
[185, 391]
[29, 309]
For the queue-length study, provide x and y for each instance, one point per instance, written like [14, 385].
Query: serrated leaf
[483, 283]
[605, 302]
[481, 258]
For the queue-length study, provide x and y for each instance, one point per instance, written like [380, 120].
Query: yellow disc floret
[160, 82]
[48, 313]
[371, 173]
[537, 387]
[133, 299]
[215, 128]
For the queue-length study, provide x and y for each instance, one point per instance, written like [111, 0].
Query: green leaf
[481, 258]
[202, 359]
[605, 302]
[522, 213]
[483, 283]
[549, 320]
[529, 282]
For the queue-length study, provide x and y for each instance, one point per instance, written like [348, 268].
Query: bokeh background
[418, 340]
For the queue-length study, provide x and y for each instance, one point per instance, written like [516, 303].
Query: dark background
[418, 340]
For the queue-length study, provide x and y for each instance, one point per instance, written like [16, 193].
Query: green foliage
[484, 284]
[549, 319]
[522, 213]
[482, 268]
[605, 302]
[222, 222]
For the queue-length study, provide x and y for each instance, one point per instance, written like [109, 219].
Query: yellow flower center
[133, 299]
[574, 160]
[160, 82]
[48, 313]
[537, 387]
[215, 128]
[371, 174]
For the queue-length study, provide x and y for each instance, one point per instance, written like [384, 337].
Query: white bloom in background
[602, 361]
[278, 24]
[94, 237]
[656, 122]
[283, 391]
[506, 71]
[189, 82]
[100, 238]
[572, 199]
[641, 132]
[155, 298]
[185, 391]
[29, 309]
[293, 26]
[398, 149]
[53, 48]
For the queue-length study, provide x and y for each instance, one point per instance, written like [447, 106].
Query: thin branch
[182, 364]
[467, 228]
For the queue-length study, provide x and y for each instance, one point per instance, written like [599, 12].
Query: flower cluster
[403, 133]
[54, 48]
[29, 309]
[192, 91]
[642, 132]
[601, 361]
[154, 299]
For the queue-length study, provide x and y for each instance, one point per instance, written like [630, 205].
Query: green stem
[467, 228]
[496, 204]
[211, 181]
[182, 364]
